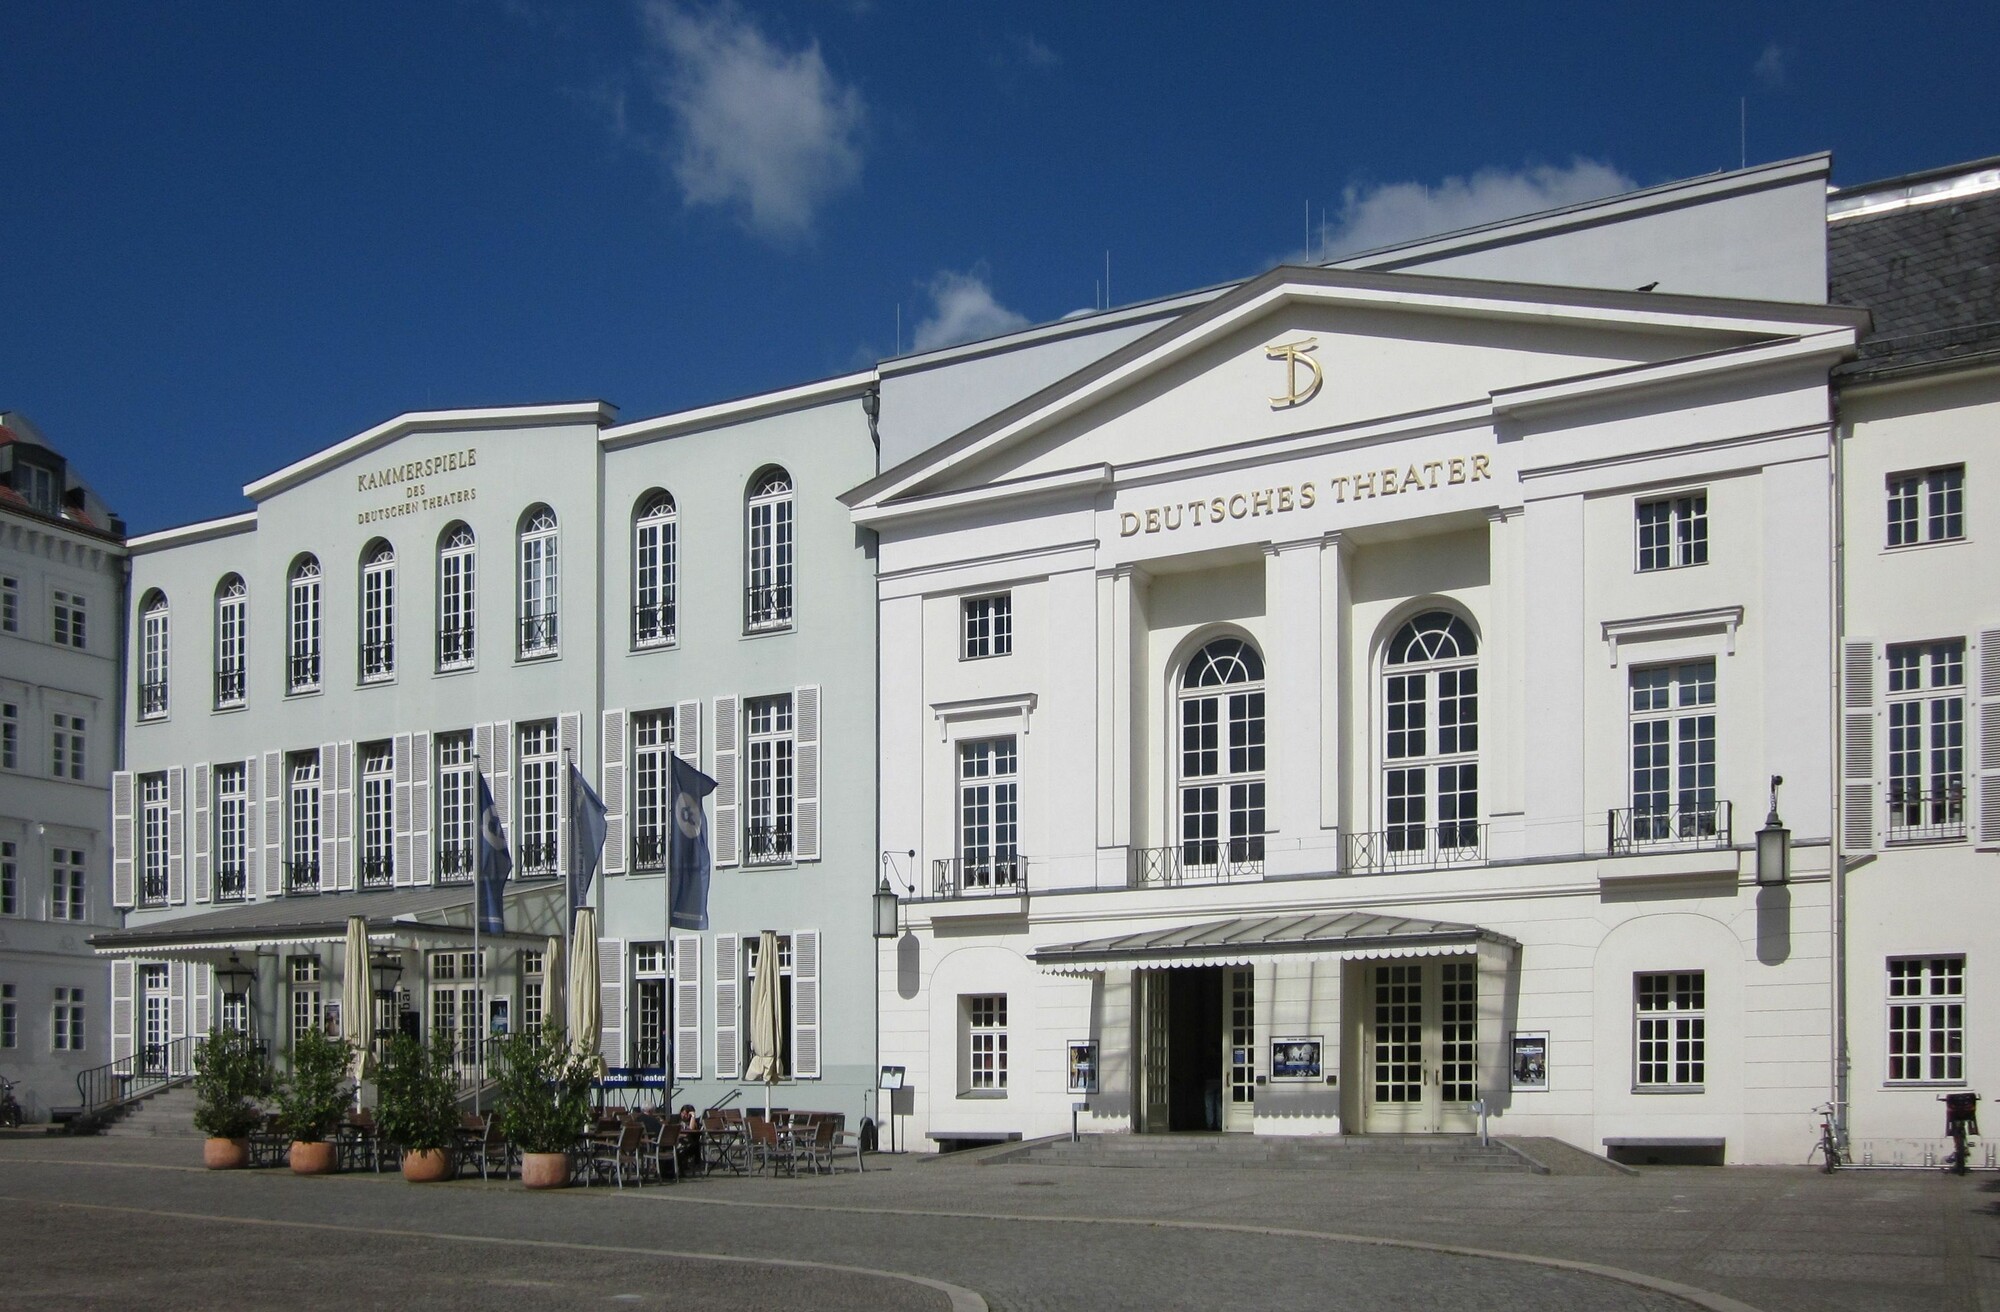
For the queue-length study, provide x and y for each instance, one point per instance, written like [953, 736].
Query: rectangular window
[769, 600]
[232, 638]
[989, 626]
[655, 568]
[304, 631]
[1672, 1039]
[10, 880]
[539, 588]
[378, 616]
[457, 808]
[1673, 531]
[302, 833]
[304, 981]
[1673, 753]
[768, 835]
[988, 815]
[652, 1019]
[66, 746]
[232, 836]
[66, 619]
[457, 572]
[534, 992]
[10, 735]
[652, 784]
[1926, 1019]
[1927, 741]
[535, 845]
[10, 1018]
[1927, 506]
[378, 816]
[153, 840]
[986, 1043]
[10, 604]
[67, 1022]
[752, 963]
[153, 651]
[66, 888]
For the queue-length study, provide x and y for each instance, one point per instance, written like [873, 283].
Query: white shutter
[728, 832]
[687, 732]
[122, 891]
[275, 784]
[1987, 802]
[204, 868]
[121, 1009]
[253, 824]
[1857, 746]
[346, 820]
[728, 1052]
[406, 868]
[613, 783]
[569, 742]
[805, 727]
[687, 1006]
[611, 996]
[805, 1004]
[500, 774]
[177, 871]
[204, 998]
[177, 1000]
[420, 808]
[329, 808]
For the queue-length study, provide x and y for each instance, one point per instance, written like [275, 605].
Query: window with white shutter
[1986, 807]
[611, 996]
[613, 792]
[204, 871]
[177, 887]
[727, 834]
[728, 1054]
[121, 1009]
[806, 718]
[1857, 745]
[124, 890]
[805, 1004]
[687, 1006]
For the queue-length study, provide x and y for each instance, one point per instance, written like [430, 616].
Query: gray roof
[1930, 276]
[302, 919]
[1348, 933]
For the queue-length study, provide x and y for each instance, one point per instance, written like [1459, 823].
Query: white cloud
[1401, 211]
[963, 310]
[767, 132]
[1025, 50]
[1772, 67]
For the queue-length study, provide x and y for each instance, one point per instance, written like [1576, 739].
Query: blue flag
[586, 838]
[687, 853]
[494, 863]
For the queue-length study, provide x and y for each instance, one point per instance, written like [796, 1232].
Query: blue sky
[232, 234]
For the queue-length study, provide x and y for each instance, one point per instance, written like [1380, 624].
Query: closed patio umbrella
[586, 1012]
[355, 1019]
[765, 1063]
[553, 991]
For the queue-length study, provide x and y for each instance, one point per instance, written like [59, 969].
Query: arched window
[768, 599]
[153, 656]
[378, 612]
[302, 669]
[1430, 743]
[539, 583]
[458, 560]
[1222, 759]
[655, 561]
[232, 640]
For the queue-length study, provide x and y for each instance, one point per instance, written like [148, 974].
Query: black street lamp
[1774, 845]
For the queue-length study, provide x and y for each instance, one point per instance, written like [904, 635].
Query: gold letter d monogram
[1294, 355]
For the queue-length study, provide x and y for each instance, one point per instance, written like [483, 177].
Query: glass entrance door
[1239, 1057]
[153, 1056]
[1422, 1045]
[1153, 1017]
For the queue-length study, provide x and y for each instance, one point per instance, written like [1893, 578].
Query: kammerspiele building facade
[502, 592]
[62, 575]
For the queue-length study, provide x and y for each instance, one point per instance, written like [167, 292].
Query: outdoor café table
[725, 1144]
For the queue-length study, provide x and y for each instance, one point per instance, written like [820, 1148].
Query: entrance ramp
[1377, 1153]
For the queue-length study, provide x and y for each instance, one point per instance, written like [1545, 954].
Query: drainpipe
[1837, 910]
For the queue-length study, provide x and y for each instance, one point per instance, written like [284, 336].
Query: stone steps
[1369, 1153]
[168, 1112]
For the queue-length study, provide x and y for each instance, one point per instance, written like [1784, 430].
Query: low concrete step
[1356, 1153]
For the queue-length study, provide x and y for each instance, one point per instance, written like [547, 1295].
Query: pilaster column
[1294, 751]
[1503, 643]
[1118, 683]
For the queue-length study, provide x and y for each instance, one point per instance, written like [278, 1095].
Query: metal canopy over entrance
[1335, 936]
[406, 917]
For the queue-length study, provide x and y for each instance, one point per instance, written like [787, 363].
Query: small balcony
[378, 661]
[767, 607]
[1210, 861]
[991, 875]
[229, 686]
[152, 700]
[1413, 847]
[1632, 829]
[301, 877]
[454, 647]
[535, 858]
[378, 872]
[1926, 815]
[454, 862]
[650, 851]
[153, 888]
[767, 844]
[302, 672]
[231, 883]
[538, 635]
[653, 626]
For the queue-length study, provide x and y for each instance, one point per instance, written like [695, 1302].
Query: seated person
[687, 1150]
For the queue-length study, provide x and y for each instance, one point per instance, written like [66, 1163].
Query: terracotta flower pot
[225, 1154]
[545, 1170]
[424, 1165]
[312, 1158]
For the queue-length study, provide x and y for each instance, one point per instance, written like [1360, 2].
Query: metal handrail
[538, 634]
[152, 1068]
[301, 877]
[767, 843]
[378, 872]
[153, 888]
[452, 863]
[1630, 829]
[1204, 861]
[378, 659]
[229, 685]
[768, 606]
[152, 699]
[454, 646]
[653, 626]
[304, 672]
[650, 850]
[1414, 847]
[534, 858]
[232, 883]
[959, 877]
[1916, 814]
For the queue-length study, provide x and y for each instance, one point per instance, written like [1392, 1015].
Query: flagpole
[478, 1028]
[568, 902]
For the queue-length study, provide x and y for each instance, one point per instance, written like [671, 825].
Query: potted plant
[229, 1073]
[312, 1096]
[417, 1105]
[543, 1102]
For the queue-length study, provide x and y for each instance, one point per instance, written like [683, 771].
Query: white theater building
[1351, 705]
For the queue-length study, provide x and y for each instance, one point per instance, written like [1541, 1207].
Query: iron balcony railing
[1413, 847]
[378, 872]
[303, 671]
[1918, 815]
[229, 685]
[765, 843]
[454, 862]
[650, 848]
[153, 1067]
[301, 877]
[153, 888]
[378, 660]
[984, 876]
[535, 858]
[538, 634]
[1204, 861]
[767, 606]
[231, 883]
[1707, 824]
[454, 646]
[152, 700]
[653, 626]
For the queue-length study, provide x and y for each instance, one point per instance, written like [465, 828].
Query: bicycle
[1961, 1112]
[10, 1110]
[1828, 1146]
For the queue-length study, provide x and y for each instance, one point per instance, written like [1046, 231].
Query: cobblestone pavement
[123, 1222]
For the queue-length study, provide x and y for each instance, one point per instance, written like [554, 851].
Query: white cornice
[1827, 347]
[738, 410]
[187, 534]
[597, 413]
[1042, 485]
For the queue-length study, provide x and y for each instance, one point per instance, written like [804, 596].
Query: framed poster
[892, 1077]
[1530, 1064]
[1083, 1065]
[1296, 1058]
[496, 1013]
